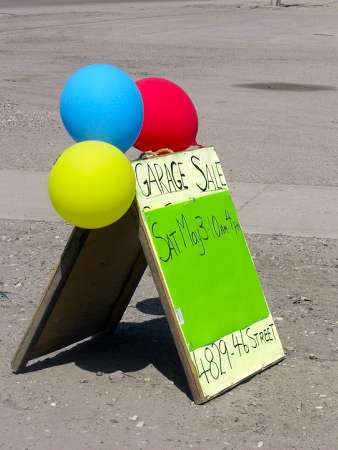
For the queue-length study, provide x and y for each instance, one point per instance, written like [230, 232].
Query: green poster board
[207, 266]
[205, 274]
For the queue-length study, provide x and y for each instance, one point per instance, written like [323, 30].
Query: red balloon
[170, 117]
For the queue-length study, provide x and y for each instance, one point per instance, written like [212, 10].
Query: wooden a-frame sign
[183, 224]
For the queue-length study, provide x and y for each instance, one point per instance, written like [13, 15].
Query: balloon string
[153, 154]
[163, 151]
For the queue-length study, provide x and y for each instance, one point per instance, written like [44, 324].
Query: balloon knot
[154, 154]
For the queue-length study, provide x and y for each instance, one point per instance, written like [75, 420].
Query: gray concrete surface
[307, 211]
[265, 84]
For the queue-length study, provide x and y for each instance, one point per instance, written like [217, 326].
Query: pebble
[99, 374]
[260, 444]
[300, 298]
[312, 356]
[118, 375]
[83, 380]
[133, 418]
[3, 295]
[140, 424]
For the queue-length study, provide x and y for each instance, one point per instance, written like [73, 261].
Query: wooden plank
[175, 329]
[203, 272]
[90, 290]
[127, 292]
[49, 298]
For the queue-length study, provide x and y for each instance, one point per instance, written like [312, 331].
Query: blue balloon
[101, 102]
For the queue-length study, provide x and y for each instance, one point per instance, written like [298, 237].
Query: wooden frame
[175, 329]
[198, 175]
[89, 291]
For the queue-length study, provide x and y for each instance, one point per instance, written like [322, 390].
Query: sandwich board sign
[185, 226]
[203, 271]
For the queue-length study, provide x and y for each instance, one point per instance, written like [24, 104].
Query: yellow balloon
[92, 184]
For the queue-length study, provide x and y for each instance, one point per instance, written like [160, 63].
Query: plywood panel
[92, 286]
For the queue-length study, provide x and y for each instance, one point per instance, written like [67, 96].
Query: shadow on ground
[151, 306]
[131, 348]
